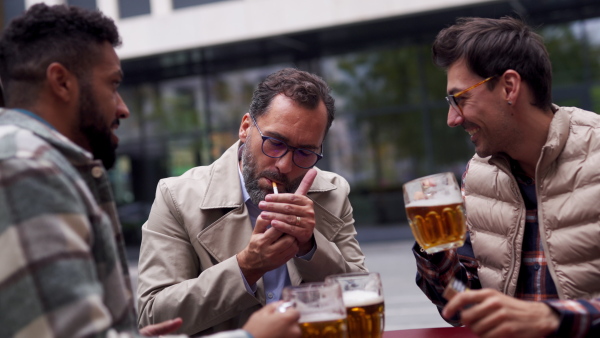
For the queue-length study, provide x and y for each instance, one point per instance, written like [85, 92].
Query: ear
[511, 80]
[244, 127]
[62, 83]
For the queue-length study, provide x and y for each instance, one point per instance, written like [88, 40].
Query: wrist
[306, 247]
[251, 274]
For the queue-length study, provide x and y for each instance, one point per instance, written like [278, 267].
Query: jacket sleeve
[578, 318]
[50, 282]
[337, 248]
[435, 271]
[173, 284]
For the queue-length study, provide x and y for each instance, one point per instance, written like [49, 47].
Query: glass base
[443, 247]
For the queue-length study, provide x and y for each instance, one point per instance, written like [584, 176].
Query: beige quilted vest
[568, 194]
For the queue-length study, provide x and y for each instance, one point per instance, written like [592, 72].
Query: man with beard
[218, 244]
[63, 272]
[530, 191]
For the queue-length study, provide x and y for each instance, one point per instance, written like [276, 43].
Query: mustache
[273, 176]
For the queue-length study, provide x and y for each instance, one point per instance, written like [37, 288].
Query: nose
[454, 118]
[285, 164]
[122, 110]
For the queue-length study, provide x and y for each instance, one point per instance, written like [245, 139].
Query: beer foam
[320, 317]
[357, 298]
[436, 201]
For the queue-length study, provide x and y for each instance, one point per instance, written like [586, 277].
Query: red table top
[445, 332]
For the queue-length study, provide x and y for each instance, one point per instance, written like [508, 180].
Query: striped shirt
[578, 318]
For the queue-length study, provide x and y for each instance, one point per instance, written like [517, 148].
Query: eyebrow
[287, 141]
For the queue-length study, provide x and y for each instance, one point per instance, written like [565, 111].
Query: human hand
[293, 214]
[268, 249]
[270, 323]
[494, 314]
[163, 328]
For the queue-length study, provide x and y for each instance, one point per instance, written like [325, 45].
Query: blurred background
[191, 66]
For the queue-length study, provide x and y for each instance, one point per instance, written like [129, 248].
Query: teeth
[472, 131]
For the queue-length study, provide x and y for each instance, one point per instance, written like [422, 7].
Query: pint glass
[322, 312]
[435, 212]
[363, 298]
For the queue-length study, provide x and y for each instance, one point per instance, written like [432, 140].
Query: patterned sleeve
[434, 272]
[578, 318]
[48, 277]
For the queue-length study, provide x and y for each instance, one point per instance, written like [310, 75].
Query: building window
[86, 4]
[189, 3]
[12, 9]
[128, 8]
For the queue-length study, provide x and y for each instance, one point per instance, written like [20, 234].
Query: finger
[458, 302]
[163, 328]
[261, 225]
[298, 231]
[286, 246]
[307, 182]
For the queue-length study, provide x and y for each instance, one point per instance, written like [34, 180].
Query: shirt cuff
[573, 316]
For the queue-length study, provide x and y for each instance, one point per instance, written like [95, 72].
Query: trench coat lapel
[229, 234]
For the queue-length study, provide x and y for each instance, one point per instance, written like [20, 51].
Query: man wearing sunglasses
[219, 244]
[531, 191]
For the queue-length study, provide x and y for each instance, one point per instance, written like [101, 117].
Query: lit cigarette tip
[275, 188]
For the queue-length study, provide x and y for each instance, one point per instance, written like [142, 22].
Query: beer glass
[322, 312]
[435, 212]
[363, 298]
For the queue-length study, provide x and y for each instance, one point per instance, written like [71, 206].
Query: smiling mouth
[472, 132]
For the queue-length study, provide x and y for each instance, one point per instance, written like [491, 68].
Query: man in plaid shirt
[63, 271]
[531, 260]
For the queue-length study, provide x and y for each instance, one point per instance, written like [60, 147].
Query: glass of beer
[435, 212]
[363, 298]
[322, 311]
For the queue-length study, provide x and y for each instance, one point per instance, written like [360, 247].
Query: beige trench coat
[199, 222]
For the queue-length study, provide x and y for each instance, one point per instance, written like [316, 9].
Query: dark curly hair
[492, 46]
[45, 34]
[304, 88]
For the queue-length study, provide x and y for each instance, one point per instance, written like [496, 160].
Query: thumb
[261, 225]
[307, 182]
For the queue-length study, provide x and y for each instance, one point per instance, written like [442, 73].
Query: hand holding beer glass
[435, 212]
[322, 311]
[363, 298]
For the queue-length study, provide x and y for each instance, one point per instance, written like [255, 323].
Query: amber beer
[323, 325]
[437, 224]
[365, 311]
[435, 212]
[321, 307]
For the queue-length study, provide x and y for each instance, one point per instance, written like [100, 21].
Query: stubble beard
[251, 177]
[94, 128]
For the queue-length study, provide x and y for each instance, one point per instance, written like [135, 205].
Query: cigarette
[275, 188]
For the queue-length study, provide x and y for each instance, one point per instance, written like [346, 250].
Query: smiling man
[219, 244]
[530, 192]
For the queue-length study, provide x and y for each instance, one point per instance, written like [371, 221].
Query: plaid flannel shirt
[578, 318]
[63, 271]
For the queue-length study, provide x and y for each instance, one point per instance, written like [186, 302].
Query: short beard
[94, 128]
[251, 177]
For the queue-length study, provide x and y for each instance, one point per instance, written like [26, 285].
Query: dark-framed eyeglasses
[452, 98]
[276, 148]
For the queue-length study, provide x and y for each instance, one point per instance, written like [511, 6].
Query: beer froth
[356, 298]
[446, 200]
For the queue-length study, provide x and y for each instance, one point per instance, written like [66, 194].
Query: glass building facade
[390, 124]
